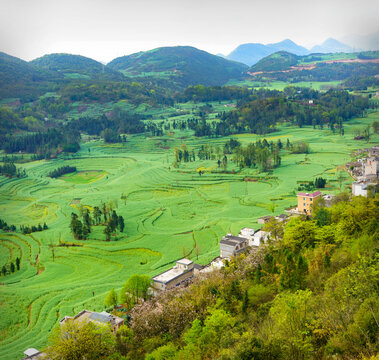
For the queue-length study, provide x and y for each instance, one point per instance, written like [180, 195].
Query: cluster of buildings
[365, 171]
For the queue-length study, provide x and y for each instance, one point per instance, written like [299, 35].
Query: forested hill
[76, 67]
[184, 65]
[19, 77]
[284, 66]
[281, 60]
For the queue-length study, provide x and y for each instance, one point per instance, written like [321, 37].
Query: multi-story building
[305, 202]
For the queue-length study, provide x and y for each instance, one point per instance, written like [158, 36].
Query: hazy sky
[105, 29]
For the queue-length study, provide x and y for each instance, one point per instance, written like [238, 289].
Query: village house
[232, 245]
[248, 234]
[371, 167]
[360, 188]
[182, 271]
[305, 202]
[260, 237]
[102, 318]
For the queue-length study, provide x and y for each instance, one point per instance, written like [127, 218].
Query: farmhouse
[183, 270]
[232, 245]
[305, 202]
[103, 318]
[361, 188]
[371, 167]
[260, 237]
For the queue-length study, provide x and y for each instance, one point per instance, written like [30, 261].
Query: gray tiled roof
[100, 317]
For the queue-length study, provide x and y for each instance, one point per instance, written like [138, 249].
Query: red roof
[315, 194]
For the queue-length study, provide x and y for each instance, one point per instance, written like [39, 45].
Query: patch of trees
[12, 267]
[360, 82]
[311, 293]
[110, 128]
[262, 154]
[104, 215]
[10, 170]
[49, 143]
[298, 106]
[319, 183]
[61, 171]
[25, 229]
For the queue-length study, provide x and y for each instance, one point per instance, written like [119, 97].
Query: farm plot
[168, 213]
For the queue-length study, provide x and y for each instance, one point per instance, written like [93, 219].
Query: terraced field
[167, 212]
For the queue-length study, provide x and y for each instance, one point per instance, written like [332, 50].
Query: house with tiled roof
[232, 245]
[101, 318]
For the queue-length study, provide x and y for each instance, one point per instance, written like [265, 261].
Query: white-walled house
[260, 237]
[183, 270]
[360, 188]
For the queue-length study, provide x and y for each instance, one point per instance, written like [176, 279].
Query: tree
[137, 286]
[4, 270]
[18, 263]
[97, 214]
[108, 232]
[81, 340]
[111, 298]
[121, 224]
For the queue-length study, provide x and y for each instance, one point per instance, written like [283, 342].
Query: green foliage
[77, 340]
[111, 299]
[137, 286]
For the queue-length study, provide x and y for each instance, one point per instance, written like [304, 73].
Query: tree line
[61, 171]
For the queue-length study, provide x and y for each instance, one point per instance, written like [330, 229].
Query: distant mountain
[278, 61]
[20, 78]
[184, 65]
[75, 66]
[331, 46]
[251, 53]
[289, 46]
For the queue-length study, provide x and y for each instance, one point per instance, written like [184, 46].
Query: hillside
[316, 67]
[183, 65]
[75, 66]
[251, 53]
[19, 78]
[278, 61]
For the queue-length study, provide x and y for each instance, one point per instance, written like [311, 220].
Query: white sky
[105, 29]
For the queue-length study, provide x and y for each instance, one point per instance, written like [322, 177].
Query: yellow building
[305, 202]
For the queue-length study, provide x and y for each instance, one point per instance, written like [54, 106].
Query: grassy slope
[166, 209]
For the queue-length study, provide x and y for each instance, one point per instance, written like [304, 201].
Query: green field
[167, 211]
[83, 177]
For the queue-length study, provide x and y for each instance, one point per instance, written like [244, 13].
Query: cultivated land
[167, 211]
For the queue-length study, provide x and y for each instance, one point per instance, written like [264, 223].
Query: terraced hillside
[167, 211]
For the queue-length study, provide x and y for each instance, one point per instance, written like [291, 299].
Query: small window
[311, 199]
[304, 199]
[304, 204]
